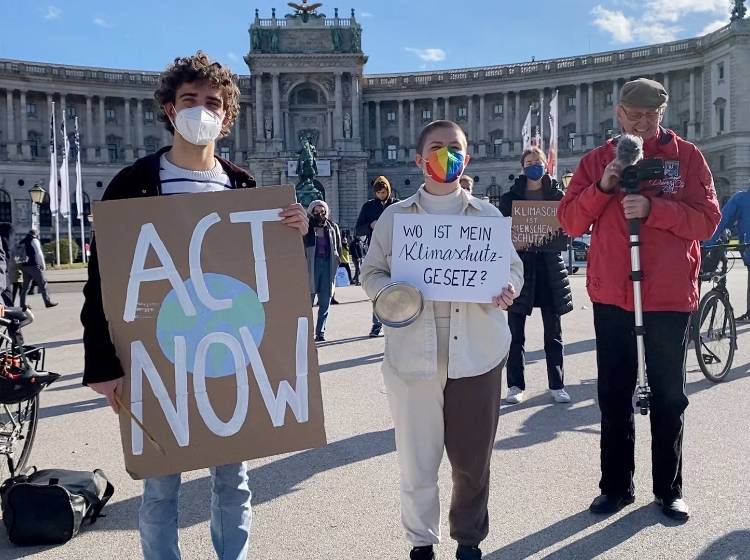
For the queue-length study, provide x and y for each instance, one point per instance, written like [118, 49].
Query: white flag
[53, 196]
[526, 130]
[64, 179]
[79, 187]
[553, 125]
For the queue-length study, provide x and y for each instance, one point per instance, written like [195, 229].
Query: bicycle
[22, 378]
[714, 328]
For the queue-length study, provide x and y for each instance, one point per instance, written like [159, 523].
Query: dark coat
[546, 269]
[136, 181]
[371, 212]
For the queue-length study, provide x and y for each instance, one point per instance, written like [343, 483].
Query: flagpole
[79, 193]
[53, 189]
[57, 238]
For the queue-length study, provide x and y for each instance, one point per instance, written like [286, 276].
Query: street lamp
[566, 181]
[37, 194]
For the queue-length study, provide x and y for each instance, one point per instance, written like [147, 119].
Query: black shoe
[320, 338]
[334, 302]
[51, 304]
[743, 318]
[676, 508]
[375, 332]
[464, 552]
[606, 504]
[422, 553]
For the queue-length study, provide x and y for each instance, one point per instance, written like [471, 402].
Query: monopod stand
[643, 391]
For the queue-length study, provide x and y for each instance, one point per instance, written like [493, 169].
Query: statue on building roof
[305, 10]
[739, 10]
[356, 39]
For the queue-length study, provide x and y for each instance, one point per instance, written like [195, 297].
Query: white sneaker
[514, 396]
[560, 395]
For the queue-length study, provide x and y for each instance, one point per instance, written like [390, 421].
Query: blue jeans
[230, 514]
[324, 288]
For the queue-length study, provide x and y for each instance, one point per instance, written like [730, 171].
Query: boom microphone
[629, 149]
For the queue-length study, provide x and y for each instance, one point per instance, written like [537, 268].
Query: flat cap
[645, 93]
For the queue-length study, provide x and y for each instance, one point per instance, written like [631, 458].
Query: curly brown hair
[198, 68]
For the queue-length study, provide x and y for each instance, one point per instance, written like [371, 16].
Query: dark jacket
[370, 212]
[136, 181]
[545, 278]
[334, 238]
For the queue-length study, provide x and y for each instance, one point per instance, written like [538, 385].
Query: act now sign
[208, 306]
[452, 258]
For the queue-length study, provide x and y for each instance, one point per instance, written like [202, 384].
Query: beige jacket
[479, 333]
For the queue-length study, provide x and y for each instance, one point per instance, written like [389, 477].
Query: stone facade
[307, 77]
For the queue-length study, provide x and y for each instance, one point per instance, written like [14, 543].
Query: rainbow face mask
[445, 165]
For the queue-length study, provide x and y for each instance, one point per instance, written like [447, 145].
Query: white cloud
[101, 22]
[613, 22]
[53, 13]
[428, 55]
[713, 26]
[673, 10]
[365, 14]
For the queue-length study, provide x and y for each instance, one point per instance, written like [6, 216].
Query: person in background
[33, 269]
[8, 268]
[736, 215]
[545, 286]
[467, 183]
[346, 256]
[676, 212]
[355, 250]
[323, 252]
[368, 218]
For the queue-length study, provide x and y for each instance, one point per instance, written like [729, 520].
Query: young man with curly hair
[199, 102]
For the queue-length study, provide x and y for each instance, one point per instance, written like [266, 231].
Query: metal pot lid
[398, 304]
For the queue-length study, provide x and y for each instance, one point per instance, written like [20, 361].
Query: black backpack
[49, 506]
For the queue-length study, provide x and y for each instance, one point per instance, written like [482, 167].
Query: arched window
[6, 207]
[307, 96]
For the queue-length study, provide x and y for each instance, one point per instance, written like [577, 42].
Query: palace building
[307, 78]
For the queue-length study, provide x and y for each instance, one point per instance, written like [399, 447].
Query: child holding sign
[443, 372]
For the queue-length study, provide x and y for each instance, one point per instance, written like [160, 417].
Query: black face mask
[319, 220]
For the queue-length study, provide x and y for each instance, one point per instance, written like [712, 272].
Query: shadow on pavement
[71, 408]
[587, 547]
[353, 362]
[580, 347]
[268, 482]
[61, 343]
[342, 341]
[733, 546]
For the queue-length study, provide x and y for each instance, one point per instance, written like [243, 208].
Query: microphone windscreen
[629, 149]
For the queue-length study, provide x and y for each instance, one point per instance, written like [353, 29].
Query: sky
[398, 36]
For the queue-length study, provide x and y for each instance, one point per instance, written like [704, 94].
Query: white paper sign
[324, 168]
[452, 258]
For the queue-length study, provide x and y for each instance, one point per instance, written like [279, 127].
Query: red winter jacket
[683, 211]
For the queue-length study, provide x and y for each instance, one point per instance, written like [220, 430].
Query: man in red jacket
[675, 212]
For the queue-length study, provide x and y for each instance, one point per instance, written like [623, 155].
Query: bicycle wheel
[18, 423]
[716, 336]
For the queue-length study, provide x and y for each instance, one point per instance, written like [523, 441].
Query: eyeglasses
[639, 115]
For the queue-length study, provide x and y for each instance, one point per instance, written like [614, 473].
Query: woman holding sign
[442, 371]
[545, 285]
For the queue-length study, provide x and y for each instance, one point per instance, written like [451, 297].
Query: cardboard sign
[536, 227]
[208, 306]
[452, 258]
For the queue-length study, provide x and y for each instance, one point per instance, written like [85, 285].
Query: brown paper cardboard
[208, 305]
[536, 226]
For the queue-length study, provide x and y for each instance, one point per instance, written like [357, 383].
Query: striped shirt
[176, 180]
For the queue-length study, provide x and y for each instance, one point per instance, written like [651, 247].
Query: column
[333, 200]
[447, 108]
[47, 131]
[482, 119]
[691, 118]
[11, 134]
[401, 138]
[249, 127]
[338, 117]
[25, 148]
[470, 117]
[288, 140]
[128, 132]
[507, 125]
[259, 107]
[434, 109]
[615, 101]
[103, 153]
[541, 117]
[366, 126]
[665, 120]
[355, 106]
[412, 125]
[329, 117]
[590, 108]
[276, 100]
[517, 139]
[237, 133]
[140, 149]
[378, 133]
[90, 144]
[579, 131]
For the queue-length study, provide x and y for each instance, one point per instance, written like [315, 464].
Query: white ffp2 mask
[197, 125]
